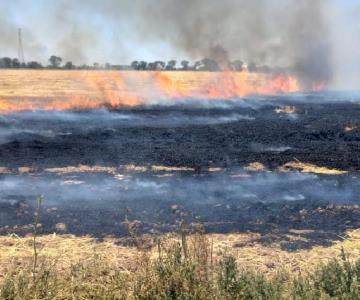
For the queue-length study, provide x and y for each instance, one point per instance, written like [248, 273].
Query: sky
[346, 34]
[119, 31]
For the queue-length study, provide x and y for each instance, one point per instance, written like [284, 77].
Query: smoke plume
[290, 34]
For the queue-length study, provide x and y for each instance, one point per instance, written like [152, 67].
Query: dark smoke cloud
[310, 42]
[292, 34]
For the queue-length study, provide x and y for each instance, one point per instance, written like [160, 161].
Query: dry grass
[178, 267]
[351, 127]
[82, 169]
[286, 110]
[255, 166]
[4, 170]
[270, 257]
[248, 249]
[131, 168]
[158, 168]
[310, 168]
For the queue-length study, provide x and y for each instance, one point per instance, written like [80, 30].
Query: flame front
[68, 90]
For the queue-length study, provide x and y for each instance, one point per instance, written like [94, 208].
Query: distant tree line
[206, 64]
[55, 62]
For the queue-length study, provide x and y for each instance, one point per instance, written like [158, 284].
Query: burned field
[268, 164]
[214, 134]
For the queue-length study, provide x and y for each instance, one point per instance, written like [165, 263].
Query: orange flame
[67, 90]
[319, 86]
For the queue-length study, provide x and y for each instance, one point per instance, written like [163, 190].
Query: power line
[21, 49]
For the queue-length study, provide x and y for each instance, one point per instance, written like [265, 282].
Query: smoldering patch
[30, 125]
[11, 134]
[102, 188]
[258, 147]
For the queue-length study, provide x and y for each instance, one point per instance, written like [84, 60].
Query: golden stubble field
[76, 89]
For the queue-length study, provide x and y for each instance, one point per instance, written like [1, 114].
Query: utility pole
[21, 49]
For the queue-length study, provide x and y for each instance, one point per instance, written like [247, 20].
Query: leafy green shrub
[175, 274]
[338, 279]
[179, 274]
[246, 284]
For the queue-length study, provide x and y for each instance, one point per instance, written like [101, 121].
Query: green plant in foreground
[178, 274]
[235, 284]
[339, 278]
[174, 277]
[36, 226]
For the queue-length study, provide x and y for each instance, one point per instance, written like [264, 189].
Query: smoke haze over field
[314, 39]
[214, 189]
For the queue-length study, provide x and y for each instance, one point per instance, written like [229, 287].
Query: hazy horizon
[315, 38]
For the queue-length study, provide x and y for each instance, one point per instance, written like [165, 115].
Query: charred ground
[177, 136]
[226, 136]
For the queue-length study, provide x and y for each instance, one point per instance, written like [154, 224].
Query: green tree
[134, 65]
[159, 65]
[69, 65]
[252, 67]
[6, 62]
[34, 65]
[237, 65]
[55, 61]
[185, 64]
[142, 65]
[15, 63]
[171, 65]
